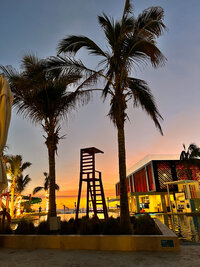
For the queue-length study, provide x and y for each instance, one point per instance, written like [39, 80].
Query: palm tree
[45, 99]
[46, 189]
[131, 42]
[189, 157]
[22, 182]
[14, 168]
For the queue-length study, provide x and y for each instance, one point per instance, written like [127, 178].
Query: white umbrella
[6, 99]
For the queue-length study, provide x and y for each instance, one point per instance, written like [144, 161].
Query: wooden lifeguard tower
[95, 192]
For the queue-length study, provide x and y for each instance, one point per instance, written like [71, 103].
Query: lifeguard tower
[95, 192]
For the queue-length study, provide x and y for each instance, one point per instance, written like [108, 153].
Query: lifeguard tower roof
[91, 150]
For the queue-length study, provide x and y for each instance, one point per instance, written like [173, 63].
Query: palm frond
[127, 9]
[29, 62]
[25, 165]
[109, 29]
[149, 23]
[143, 97]
[106, 90]
[37, 189]
[183, 156]
[72, 44]
[194, 151]
[143, 51]
[65, 65]
[22, 182]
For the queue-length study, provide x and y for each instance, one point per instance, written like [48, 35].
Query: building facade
[147, 183]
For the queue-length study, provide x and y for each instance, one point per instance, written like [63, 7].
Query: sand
[188, 256]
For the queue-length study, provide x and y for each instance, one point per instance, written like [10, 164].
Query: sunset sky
[35, 26]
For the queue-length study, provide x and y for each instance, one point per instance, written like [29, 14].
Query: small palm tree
[190, 157]
[45, 187]
[131, 42]
[45, 99]
[14, 168]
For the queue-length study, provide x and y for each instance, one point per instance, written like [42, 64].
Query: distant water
[71, 214]
[67, 211]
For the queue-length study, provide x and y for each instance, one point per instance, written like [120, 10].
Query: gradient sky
[35, 26]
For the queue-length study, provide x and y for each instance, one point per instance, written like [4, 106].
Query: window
[164, 174]
[140, 181]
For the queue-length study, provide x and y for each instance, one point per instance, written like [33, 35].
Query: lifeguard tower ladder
[88, 174]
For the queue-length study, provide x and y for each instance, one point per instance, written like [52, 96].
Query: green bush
[43, 228]
[25, 228]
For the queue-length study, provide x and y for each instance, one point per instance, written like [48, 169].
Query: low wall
[166, 242]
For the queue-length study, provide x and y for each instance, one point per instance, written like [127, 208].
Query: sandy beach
[188, 256]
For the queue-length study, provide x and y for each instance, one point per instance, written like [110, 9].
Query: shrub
[111, 226]
[43, 228]
[69, 228]
[133, 220]
[25, 228]
[5, 229]
[145, 225]
[90, 226]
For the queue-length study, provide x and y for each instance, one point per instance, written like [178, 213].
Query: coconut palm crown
[45, 99]
[15, 166]
[131, 42]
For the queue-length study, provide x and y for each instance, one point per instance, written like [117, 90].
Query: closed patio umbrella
[6, 99]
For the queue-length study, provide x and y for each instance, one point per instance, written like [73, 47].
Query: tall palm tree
[45, 187]
[131, 42]
[45, 99]
[14, 168]
[190, 157]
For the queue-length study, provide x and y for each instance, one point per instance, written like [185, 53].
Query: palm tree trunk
[12, 198]
[124, 208]
[47, 200]
[52, 173]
